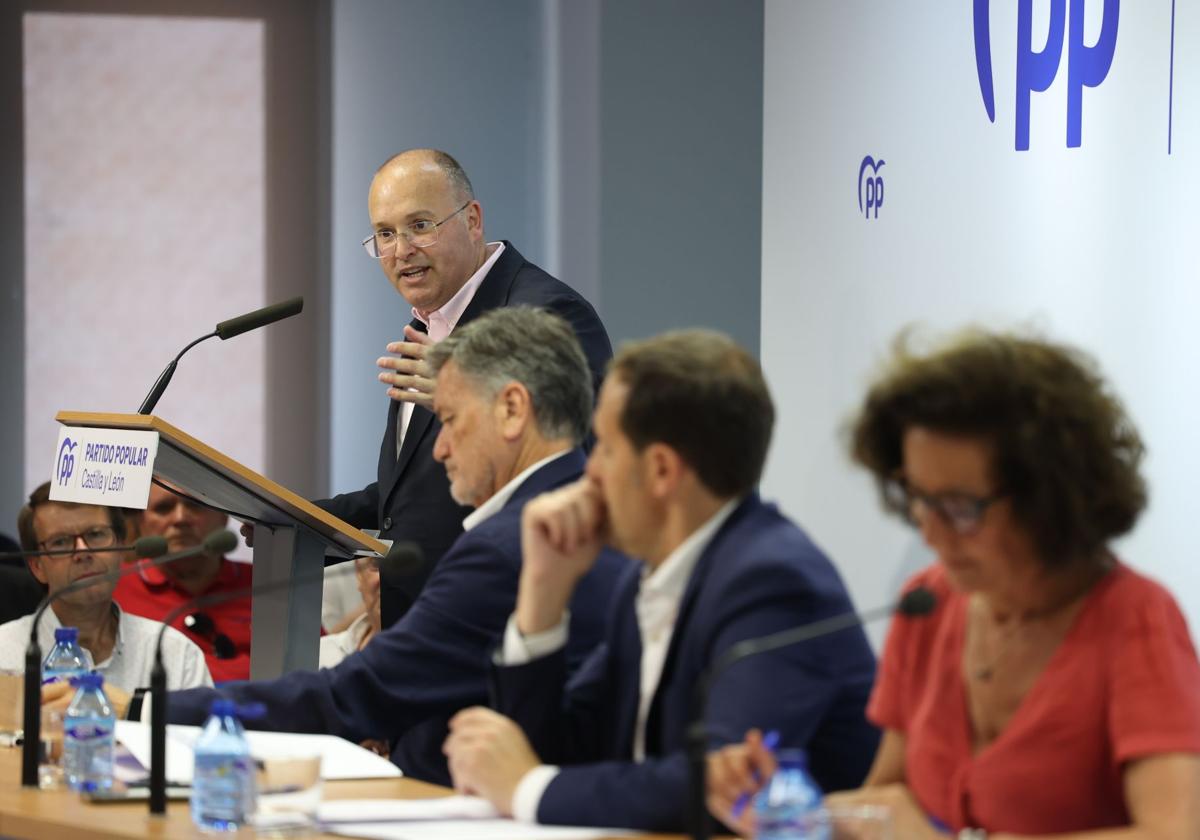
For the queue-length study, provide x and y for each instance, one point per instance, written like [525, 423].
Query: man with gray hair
[514, 398]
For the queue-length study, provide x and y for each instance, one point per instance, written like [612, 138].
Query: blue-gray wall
[681, 166]
[460, 75]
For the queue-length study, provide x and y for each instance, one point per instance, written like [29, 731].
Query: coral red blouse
[1124, 683]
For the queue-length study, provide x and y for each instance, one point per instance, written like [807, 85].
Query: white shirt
[337, 646]
[132, 658]
[659, 596]
[500, 498]
[441, 322]
[339, 596]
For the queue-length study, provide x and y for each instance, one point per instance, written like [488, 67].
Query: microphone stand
[225, 330]
[164, 378]
[158, 734]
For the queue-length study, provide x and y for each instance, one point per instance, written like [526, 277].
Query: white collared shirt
[442, 321]
[132, 658]
[659, 597]
[500, 498]
[337, 646]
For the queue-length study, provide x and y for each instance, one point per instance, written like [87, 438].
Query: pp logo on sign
[870, 186]
[1086, 66]
[66, 461]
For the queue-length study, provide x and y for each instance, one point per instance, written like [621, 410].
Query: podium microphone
[400, 555]
[914, 603]
[221, 541]
[225, 329]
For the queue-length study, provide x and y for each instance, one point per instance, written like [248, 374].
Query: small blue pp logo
[870, 187]
[66, 461]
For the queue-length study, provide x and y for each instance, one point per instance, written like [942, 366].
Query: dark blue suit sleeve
[431, 662]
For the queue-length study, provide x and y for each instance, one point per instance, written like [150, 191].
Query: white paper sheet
[452, 817]
[470, 830]
[340, 759]
[404, 810]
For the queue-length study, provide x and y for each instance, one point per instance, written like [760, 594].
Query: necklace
[1021, 624]
[985, 672]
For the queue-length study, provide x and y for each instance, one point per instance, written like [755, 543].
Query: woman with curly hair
[1053, 690]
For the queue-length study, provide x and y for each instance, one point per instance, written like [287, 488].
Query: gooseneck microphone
[225, 330]
[218, 541]
[914, 603]
[400, 555]
[147, 547]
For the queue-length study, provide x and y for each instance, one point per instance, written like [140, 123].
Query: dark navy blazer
[759, 574]
[410, 500]
[411, 678]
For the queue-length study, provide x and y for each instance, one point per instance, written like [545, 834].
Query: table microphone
[225, 329]
[142, 547]
[221, 541]
[914, 603]
[400, 555]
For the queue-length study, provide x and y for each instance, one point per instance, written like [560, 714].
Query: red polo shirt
[152, 594]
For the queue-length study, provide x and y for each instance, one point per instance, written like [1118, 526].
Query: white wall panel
[1094, 245]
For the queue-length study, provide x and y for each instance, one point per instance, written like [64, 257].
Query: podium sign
[112, 467]
[292, 536]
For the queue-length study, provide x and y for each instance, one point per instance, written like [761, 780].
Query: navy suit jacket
[759, 574]
[410, 679]
[410, 500]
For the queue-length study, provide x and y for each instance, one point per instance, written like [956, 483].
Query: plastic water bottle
[789, 807]
[88, 731]
[66, 659]
[223, 791]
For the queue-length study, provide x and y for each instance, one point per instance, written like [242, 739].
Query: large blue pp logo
[66, 462]
[1086, 66]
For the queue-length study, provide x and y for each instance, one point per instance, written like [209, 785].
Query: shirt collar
[671, 577]
[453, 309]
[156, 579]
[500, 498]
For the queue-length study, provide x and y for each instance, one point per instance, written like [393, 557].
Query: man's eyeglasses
[98, 536]
[202, 625]
[962, 512]
[420, 234]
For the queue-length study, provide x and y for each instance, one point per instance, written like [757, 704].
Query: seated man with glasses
[223, 630]
[120, 645]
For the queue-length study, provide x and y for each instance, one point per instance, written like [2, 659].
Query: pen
[770, 741]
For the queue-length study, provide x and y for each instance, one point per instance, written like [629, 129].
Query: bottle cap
[90, 680]
[792, 758]
[66, 634]
[221, 707]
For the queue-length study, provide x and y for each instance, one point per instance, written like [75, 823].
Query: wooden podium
[291, 537]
